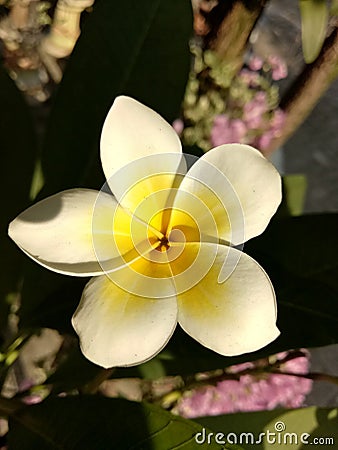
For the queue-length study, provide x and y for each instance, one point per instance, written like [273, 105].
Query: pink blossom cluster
[32, 398]
[255, 63]
[274, 129]
[254, 110]
[277, 66]
[226, 131]
[249, 77]
[178, 126]
[258, 125]
[250, 392]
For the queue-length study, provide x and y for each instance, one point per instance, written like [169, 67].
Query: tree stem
[229, 37]
[307, 89]
[19, 14]
[315, 376]
[93, 386]
[9, 406]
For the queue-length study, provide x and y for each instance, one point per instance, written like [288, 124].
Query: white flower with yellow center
[161, 248]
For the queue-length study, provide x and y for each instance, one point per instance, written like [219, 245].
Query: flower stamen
[163, 245]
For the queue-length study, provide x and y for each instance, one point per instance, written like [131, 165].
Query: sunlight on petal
[151, 207]
[132, 131]
[58, 230]
[118, 235]
[119, 329]
[233, 317]
[75, 231]
[247, 185]
[147, 276]
[145, 176]
[194, 216]
[192, 265]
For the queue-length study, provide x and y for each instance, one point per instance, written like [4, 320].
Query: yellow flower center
[163, 245]
[157, 244]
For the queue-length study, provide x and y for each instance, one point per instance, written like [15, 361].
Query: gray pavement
[313, 150]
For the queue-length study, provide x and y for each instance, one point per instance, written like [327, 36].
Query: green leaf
[305, 245]
[334, 8]
[49, 299]
[18, 152]
[130, 47]
[95, 423]
[74, 372]
[152, 369]
[295, 186]
[299, 255]
[37, 181]
[306, 423]
[133, 48]
[314, 15]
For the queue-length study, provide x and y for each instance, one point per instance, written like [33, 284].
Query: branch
[305, 92]
[19, 14]
[315, 376]
[8, 406]
[93, 385]
[229, 36]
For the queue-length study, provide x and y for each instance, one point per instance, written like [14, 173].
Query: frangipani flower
[160, 249]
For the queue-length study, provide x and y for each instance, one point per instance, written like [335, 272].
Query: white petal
[147, 186]
[119, 329]
[190, 264]
[68, 232]
[132, 131]
[147, 276]
[198, 213]
[238, 185]
[233, 317]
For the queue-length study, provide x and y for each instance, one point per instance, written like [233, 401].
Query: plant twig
[93, 386]
[315, 376]
[262, 368]
[229, 37]
[9, 406]
[305, 92]
[19, 13]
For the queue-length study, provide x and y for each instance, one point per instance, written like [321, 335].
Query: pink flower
[248, 77]
[222, 120]
[178, 126]
[297, 365]
[241, 367]
[239, 130]
[264, 141]
[278, 120]
[274, 130]
[254, 110]
[32, 399]
[25, 385]
[250, 393]
[255, 63]
[279, 68]
[226, 131]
